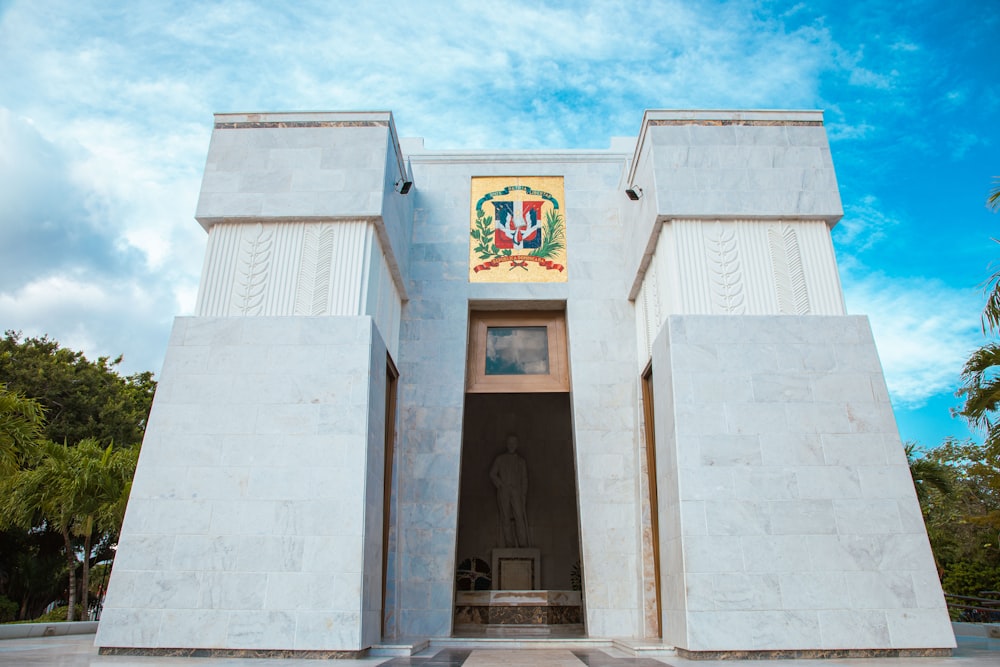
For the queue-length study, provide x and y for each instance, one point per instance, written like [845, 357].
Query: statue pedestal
[516, 569]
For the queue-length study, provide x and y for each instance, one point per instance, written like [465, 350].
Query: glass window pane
[517, 351]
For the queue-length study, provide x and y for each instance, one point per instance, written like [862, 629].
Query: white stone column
[789, 519]
[255, 515]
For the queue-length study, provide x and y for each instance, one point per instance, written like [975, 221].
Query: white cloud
[470, 75]
[97, 246]
[864, 225]
[44, 217]
[845, 132]
[859, 76]
[98, 317]
[110, 116]
[956, 98]
[961, 142]
[924, 331]
[142, 187]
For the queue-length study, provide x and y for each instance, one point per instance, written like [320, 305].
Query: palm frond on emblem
[553, 236]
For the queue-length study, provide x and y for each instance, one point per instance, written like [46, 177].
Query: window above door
[517, 351]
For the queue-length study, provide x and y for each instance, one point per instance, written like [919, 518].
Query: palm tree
[22, 424]
[926, 474]
[991, 313]
[981, 389]
[981, 373]
[87, 491]
[75, 490]
[41, 494]
[116, 470]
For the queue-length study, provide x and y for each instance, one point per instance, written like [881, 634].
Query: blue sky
[106, 112]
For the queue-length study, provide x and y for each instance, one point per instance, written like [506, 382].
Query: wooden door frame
[554, 322]
[654, 518]
[391, 386]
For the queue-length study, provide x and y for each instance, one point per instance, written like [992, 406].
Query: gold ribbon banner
[518, 262]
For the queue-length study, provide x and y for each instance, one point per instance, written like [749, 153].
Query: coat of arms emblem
[518, 231]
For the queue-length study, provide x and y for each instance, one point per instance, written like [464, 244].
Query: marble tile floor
[79, 651]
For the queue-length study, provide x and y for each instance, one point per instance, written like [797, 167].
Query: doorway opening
[518, 564]
[651, 539]
[391, 382]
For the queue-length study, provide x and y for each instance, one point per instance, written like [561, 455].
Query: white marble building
[715, 457]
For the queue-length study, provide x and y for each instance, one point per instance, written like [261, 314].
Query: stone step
[652, 648]
[522, 642]
[400, 648]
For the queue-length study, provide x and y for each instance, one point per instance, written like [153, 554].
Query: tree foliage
[927, 474]
[32, 569]
[22, 426]
[70, 430]
[991, 313]
[81, 398]
[78, 491]
[963, 517]
[981, 390]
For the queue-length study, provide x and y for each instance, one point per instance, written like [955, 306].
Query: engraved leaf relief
[252, 270]
[724, 268]
[312, 291]
[786, 267]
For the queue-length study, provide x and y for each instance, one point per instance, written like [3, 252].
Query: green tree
[22, 426]
[927, 474]
[81, 398]
[991, 313]
[961, 518]
[67, 456]
[78, 491]
[981, 390]
[963, 522]
[980, 377]
[37, 495]
[32, 569]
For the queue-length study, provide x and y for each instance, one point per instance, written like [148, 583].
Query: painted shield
[518, 232]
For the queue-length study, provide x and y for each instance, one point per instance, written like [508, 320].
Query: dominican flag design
[517, 224]
[517, 232]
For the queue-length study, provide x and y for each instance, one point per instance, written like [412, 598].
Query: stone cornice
[747, 122]
[293, 124]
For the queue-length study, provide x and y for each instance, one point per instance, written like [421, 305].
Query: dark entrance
[552, 602]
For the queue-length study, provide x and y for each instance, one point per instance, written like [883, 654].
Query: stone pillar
[791, 522]
[255, 520]
[255, 515]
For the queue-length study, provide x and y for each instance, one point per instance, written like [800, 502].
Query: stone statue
[510, 476]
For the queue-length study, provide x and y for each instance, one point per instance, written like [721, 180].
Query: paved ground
[79, 651]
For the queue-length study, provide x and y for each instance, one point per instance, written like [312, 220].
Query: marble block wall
[255, 515]
[791, 518]
[309, 167]
[727, 165]
[787, 519]
[432, 358]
